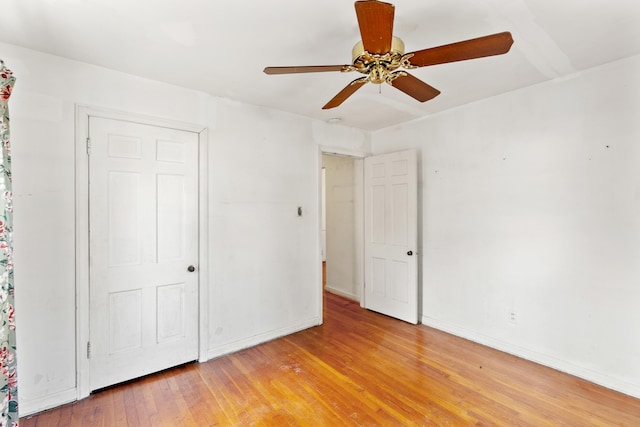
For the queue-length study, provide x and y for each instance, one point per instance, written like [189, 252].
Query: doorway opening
[341, 225]
[370, 230]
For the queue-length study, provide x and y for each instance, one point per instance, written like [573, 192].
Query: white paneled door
[390, 206]
[143, 211]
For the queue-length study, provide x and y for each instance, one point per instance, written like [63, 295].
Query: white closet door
[143, 184]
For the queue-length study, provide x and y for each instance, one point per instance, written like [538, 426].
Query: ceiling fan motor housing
[379, 67]
[397, 47]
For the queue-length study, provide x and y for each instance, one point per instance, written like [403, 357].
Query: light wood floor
[359, 368]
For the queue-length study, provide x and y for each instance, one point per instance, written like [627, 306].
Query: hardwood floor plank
[184, 412]
[358, 369]
[220, 387]
[299, 393]
[429, 385]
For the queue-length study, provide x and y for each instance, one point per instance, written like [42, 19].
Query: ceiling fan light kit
[381, 58]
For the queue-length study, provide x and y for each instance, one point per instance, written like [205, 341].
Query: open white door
[390, 233]
[143, 198]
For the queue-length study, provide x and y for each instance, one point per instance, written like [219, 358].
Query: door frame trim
[82, 115]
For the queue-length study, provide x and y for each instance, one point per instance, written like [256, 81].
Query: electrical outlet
[512, 316]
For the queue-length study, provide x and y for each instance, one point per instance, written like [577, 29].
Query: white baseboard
[261, 338]
[534, 356]
[28, 407]
[341, 293]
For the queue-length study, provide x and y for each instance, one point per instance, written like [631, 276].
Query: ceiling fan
[380, 55]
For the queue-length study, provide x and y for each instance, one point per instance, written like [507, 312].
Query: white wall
[341, 225]
[264, 260]
[266, 271]
[531, 204]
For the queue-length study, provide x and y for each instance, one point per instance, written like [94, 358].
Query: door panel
[143, 197]
[390, 204]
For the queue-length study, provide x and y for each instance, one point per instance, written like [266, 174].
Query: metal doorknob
[410, 253]
[191, 269]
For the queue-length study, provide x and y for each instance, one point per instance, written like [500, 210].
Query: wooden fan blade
[414, 87]
[305, 69]
[375, 20]
[345, 93]
[495, 44]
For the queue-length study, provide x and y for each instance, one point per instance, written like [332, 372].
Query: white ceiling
[222, 47]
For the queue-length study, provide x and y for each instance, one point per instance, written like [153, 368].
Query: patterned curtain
[8, 368]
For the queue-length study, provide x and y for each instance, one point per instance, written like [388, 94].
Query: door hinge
[88, 349]
[88, 146]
